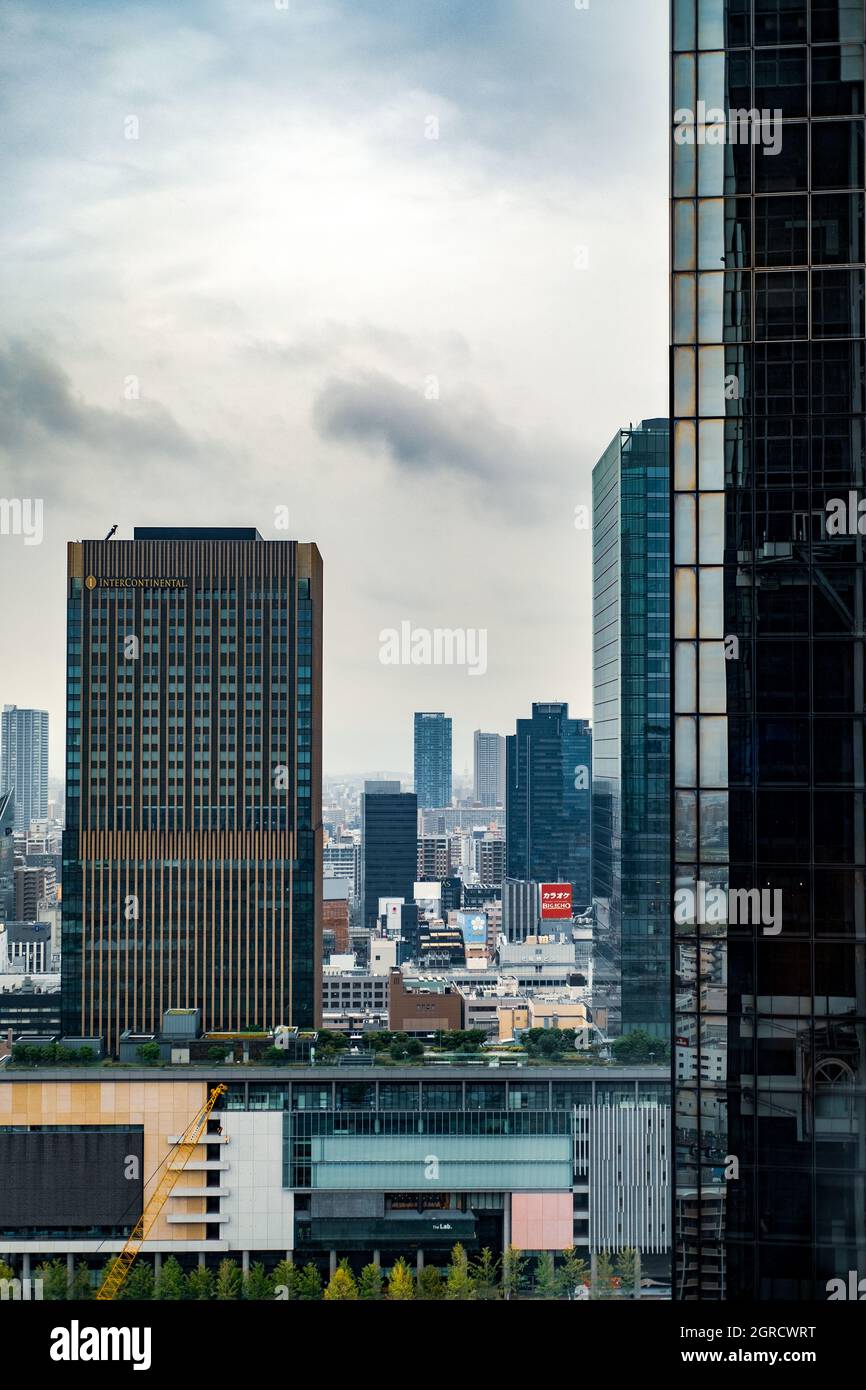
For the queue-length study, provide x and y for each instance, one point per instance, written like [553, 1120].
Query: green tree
[459, 1283]
[228, 1280]
[170, 1282]
[200, 1284]
[217, 1054]
[371, 1283]
[400, 1286]
[54, 1281]
[309, 1284]
[485, 1273]
[545, 1275]
[257, 1285]
[81, 1289]
[572, 1273]
[627, 1270]
[148, 1052]
[6, 1271]
[513, 1272]
[431, 1287]
[640, 1046]
[604, 1277]
[284, 1281]
[140, 1283]
[341, 1285]
[414, 1048]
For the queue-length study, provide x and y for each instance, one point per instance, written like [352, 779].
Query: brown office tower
[192, 857]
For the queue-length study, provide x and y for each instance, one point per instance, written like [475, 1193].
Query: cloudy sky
[398, 266]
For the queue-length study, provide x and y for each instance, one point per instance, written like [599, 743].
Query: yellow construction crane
[178, 1158]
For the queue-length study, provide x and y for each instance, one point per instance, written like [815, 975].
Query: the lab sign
[555, 902]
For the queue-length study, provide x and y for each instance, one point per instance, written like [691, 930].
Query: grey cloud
[454, 434]
[38, 406]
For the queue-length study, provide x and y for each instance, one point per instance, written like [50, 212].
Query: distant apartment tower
[192, 858]
[389, 846]
[489, 853]
[631, 722]
[32, 885]
[432, 760]
[24, 762]
[341, 858]
[7, 856]
[548, 800]
[335, 912]
[434, 857]
[489, 785]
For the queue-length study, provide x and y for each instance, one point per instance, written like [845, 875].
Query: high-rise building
[341, 858]
[7, 856]
[192, 858]
[631, 726]
[548, 797]
[432, 760]
[489, 783]
[24, 762]
[389, 846]
[769, 762]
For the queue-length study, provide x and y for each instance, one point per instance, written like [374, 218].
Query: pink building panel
[542, 1221]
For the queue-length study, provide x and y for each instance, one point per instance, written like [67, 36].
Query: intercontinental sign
[91, 582]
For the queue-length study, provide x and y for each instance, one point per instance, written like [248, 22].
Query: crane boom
[181, 1153]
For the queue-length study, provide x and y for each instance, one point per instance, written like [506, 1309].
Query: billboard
[555, 902]
[473, 928]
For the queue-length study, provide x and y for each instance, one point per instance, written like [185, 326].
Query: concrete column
[70, 1267]
[419, 1263]
[290, 1256]
[201, 1259]
[25, 1265]
[245, 1262]
[506, 1220]
[157, 1263]
[637, 1268]
[593, 1272]
[376, 1259]
[332, 1262]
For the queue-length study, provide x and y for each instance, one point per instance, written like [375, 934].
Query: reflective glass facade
[631, 728]
[192, 854]
[768, 674]
[432, 760]
[548, 796]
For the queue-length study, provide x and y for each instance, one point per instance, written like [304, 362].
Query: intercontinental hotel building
[192, 854]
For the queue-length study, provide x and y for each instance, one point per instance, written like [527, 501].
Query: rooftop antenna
[111, 532]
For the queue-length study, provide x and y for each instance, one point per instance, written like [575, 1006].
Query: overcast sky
[239, 274]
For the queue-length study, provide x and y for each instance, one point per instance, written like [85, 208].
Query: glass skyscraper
[432, 760]
[389, 846]
[192, 859]
[548, 796]
[631, 727]
[24, 762]
[768, 627]
[489, 765]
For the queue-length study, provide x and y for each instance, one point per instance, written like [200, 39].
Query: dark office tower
[768, 678]
[192, 858]
[389, 846]
[631, 722]
[24, 762]
[548, 793]
[7, 856]
[489, 785]
[432, 760]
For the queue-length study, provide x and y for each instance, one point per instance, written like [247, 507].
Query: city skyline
[182, 380]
